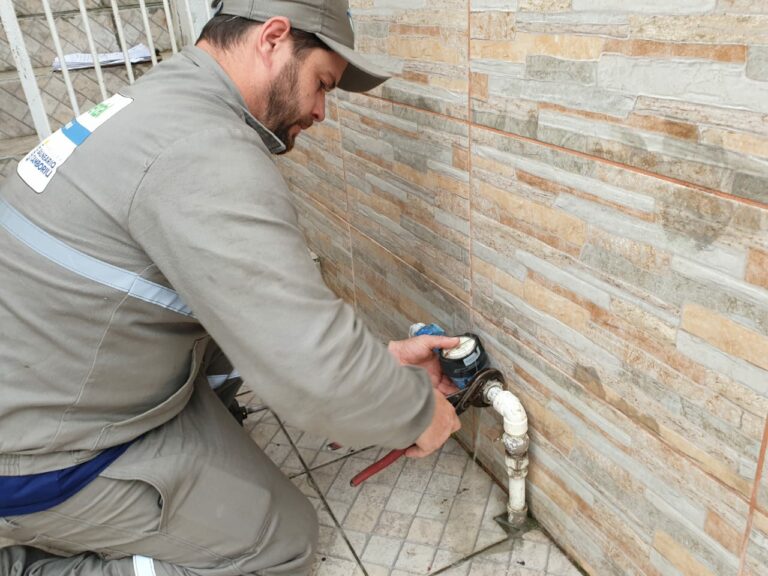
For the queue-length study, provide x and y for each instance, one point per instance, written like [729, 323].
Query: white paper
[138, 53]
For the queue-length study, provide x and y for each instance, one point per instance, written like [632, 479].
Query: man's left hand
[417, 351]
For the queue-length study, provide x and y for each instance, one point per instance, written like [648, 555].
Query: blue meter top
[462, 363]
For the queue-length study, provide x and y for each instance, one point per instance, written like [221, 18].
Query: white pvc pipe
[510, 408]
[515, 441]
[516, 489]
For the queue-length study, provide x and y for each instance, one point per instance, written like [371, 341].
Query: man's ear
[274, 36]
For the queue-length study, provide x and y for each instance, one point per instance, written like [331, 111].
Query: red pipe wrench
[381, 463]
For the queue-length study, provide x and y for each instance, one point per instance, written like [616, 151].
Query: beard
[283, 105]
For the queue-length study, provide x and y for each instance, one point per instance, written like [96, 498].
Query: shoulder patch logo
[39, 166]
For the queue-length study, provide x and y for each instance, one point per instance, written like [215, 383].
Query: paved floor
[418, 516]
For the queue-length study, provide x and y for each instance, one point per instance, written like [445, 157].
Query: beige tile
[404, 501]
[416, 558]
[368, 505]
[559, 565]
[727, 335]
[327, 566]
[443, 483]
[425, 531]
[381, 550]
[425, 46]
[394, 524]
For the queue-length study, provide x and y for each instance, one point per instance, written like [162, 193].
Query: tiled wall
[585, 184]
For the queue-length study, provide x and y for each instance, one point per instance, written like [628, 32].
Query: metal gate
[61, 56]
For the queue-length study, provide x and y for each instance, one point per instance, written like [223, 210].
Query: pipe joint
[517, 463]
[491, 390]
[517, 517]
[516, 445]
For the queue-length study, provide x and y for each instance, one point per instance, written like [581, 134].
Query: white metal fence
[183, 21]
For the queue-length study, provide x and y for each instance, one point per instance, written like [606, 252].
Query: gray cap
[329, 20]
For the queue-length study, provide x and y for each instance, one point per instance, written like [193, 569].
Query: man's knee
[289, 541]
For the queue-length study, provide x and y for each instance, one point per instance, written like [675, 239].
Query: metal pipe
[92, 46]
[121, 39]
[60, 54]
[169, 22]
[148, 31]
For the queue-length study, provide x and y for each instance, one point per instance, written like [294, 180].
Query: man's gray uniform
[177, 188]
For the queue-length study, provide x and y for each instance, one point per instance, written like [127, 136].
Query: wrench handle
[376, 467]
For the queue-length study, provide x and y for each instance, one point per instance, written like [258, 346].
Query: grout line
[468, 557]
[316, 488]
[599, 159]
[753, 500]
[469, 159]
[339, 459]
[346, 193]
[411, 267]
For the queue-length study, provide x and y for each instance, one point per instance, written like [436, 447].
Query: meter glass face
[465, 348]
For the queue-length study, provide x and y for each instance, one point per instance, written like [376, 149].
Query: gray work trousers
[195, 496]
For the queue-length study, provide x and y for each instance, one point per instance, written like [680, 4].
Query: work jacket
[128, 239]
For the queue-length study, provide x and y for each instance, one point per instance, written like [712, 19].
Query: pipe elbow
[510, 408]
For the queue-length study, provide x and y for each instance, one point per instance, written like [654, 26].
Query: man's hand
[417, 351]
[444, 423]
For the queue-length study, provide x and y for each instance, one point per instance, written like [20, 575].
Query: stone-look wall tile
[757, 268]
[674, 88]
[407, 182]
[618, 498]
[756, 560]
[328, 237]
[615, 285]
[423, 44]
[762, 489]
[392, 295]
[315, 166]
[314, 172]
[742, 6]
[757, 63]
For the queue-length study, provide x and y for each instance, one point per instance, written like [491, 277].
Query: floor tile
[328, 566]
[394, 524]
[425, 531]
[404, 501]
[381, 550]
[559, 565]
[416, 517]
[416, 558]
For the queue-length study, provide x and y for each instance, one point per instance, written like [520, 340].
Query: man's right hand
[444, 423]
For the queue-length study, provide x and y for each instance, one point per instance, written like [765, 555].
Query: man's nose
[318, 113]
